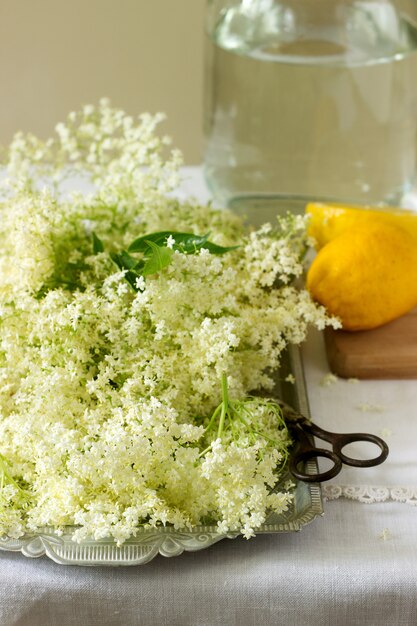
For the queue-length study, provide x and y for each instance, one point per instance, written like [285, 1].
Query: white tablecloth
[355, 566]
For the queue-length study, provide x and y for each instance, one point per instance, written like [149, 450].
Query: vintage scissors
[301, 430]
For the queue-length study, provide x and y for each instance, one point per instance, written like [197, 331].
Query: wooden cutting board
[386, 352]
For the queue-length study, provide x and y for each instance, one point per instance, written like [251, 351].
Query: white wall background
[146, 55]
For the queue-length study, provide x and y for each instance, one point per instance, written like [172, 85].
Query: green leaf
[190, 244]
[184, 242]
[156, 254]
[161, 257]
[213, 248]
[141, 245]
[98, 245]
[126, 262]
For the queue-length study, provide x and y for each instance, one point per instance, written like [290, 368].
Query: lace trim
[370, 495]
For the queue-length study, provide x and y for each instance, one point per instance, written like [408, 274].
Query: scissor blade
[292, 416]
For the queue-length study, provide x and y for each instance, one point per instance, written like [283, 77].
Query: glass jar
[310, 99]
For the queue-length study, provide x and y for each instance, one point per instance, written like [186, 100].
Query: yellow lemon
[328, 221]
[367, 276]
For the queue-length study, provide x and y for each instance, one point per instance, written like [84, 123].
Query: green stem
[204, 451]
[254, 430]
[232, 425]
[213, 417]
[6, 476]
[261, 434]
[225, 405]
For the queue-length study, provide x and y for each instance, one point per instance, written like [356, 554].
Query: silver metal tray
[147, 544]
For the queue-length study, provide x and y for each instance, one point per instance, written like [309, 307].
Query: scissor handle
[315, 453]
[339, 441]
[307, 451]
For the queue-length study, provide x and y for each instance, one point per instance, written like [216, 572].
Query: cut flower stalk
[243, 413]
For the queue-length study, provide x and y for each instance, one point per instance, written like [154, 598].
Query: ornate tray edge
[64, 551]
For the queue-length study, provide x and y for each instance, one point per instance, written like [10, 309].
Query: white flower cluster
[106, 391]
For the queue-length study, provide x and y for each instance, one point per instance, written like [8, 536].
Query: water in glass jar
[321, 115]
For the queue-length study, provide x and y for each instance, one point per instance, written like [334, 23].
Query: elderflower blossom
[107, 390]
